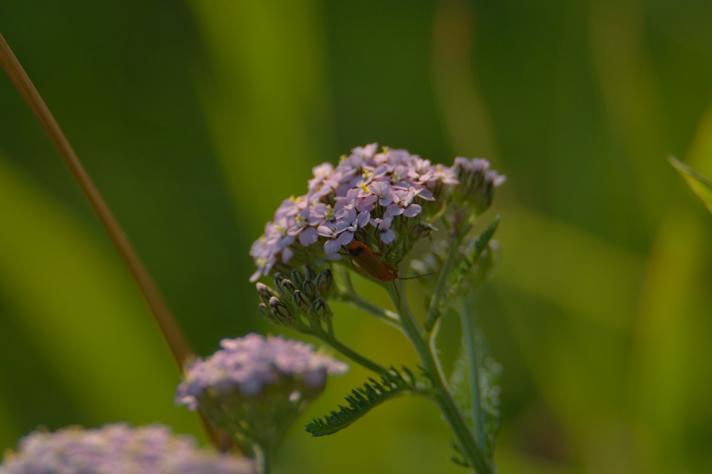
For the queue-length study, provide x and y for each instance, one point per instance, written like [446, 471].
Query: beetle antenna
[413, 277]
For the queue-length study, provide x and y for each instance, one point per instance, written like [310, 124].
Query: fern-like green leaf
[484, 418]
[478, 247]
[458, 458]
[364, 398]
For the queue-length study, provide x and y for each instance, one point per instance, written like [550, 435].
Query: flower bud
[264, 292]
[300, 300]
[280, 311]
[271, 316]
[309, 273]
[477, 182]
[325, 283]
[310, 289]
[320, 309]
[285, 286]
[298, 278]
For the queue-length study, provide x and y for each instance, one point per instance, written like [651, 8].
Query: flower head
[477, 182]
[255, 383]
[378, 198]
[249, 365]
[117, 449]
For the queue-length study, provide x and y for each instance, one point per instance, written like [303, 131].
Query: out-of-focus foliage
[196, 119]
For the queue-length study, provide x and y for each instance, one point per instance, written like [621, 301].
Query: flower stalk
[388, 317]
[263, 459]
[352, 297]
[441, 393]
[348, 352]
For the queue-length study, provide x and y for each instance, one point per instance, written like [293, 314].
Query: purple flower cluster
[117, 449]
[477, 181]
[477, 166]
[367, 192]
[246, 366]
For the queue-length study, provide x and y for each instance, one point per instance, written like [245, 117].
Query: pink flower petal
[363, 218]
[412, 210]
[345, 238]
[388, 236]
[332, 246]
[308, 236]
[325, 231]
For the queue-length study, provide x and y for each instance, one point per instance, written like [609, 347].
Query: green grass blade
[699, 184]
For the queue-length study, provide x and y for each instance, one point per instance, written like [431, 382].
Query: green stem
[468, 338]
[350, 353]
[352, 297]
[434, 307]
[441, 393]
[383, 314]
[262, 459]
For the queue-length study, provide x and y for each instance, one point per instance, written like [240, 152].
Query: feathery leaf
[479, 246]
[483, 419]
[362, 399]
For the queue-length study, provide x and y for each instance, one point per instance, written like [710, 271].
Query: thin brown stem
[162, 315]
[178, 344]
[171, 332]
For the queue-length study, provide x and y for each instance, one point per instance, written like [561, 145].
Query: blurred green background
[196, 119]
